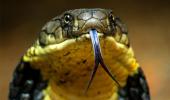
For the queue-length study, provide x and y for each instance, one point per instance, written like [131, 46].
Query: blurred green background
[148, 23]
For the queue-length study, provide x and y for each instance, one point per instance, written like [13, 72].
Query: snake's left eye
[67, 18]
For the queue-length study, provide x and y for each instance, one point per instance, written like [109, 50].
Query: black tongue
[98, 58]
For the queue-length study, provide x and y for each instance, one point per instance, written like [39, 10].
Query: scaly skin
[64, 55]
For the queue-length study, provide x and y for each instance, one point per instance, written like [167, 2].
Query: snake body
[64, 58]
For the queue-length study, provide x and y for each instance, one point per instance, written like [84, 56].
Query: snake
[82, 54]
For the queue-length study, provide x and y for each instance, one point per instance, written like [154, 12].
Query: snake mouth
[98, 59]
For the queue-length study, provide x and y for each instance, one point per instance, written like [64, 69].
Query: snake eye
[67, 18]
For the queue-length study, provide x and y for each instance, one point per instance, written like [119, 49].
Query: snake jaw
[98, 59]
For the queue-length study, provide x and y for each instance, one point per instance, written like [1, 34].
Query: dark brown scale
[62, 81]
[84, 61]
[67, 73]
[66, 54]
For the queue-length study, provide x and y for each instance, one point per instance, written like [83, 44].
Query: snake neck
[103, 88]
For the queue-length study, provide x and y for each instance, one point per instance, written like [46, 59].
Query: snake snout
[93, 24]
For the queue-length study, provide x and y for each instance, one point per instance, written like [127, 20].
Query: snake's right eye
[67, 18]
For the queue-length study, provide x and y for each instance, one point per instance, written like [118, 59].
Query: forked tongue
[98, 59]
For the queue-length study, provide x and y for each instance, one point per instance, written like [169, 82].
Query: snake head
[74, 23]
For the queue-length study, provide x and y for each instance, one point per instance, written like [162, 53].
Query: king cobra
[82, 54]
